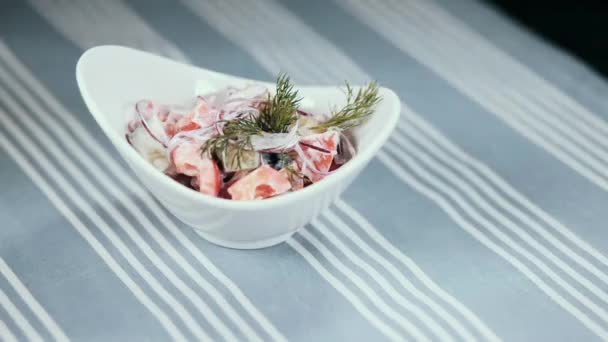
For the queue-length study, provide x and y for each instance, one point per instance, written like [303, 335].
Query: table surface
[483, 218]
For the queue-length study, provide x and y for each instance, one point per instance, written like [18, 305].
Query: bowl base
[258, 244]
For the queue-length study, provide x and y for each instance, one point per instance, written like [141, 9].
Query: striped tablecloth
[483, 218]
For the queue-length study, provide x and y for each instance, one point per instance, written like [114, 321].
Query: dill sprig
[277, 115]
[219, 145]
[237, 133]
[358, 107]
[279, 112]
[243, 126]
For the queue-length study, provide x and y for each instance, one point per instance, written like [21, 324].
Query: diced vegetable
[250, 142]
[187, 159]
[263, 182]
[232, 160]
[208, 180]
[319, 150]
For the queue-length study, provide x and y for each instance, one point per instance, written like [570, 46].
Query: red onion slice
[320, 149]
[350, 152]
[303, 113]
[307, 163]
[140, 113]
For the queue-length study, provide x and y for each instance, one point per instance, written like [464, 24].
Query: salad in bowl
[248, 142]
[245, 163]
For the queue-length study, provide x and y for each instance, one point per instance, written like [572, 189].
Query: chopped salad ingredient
[249, 143]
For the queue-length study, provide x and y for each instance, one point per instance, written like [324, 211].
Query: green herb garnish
[280, 112]
[358, 107]
[277, 115]
[237, 132]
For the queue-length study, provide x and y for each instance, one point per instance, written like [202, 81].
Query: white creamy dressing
[158, 155]
[152, 150]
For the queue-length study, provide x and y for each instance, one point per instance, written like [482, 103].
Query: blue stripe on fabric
[414, 83]
[197, 39]
[564, 71]
[58, 85]
[301, 317]
[539, 176]
[60, 269]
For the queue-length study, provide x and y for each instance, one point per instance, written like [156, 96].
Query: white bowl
[112, 78]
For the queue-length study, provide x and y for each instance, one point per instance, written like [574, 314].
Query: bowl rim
[199, 198]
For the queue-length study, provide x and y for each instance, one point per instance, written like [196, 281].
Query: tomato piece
[187, 123]
[209, 180]
[200, 116]
[263, 191]
[263, 182]
[187, 159]
[170, 129]
[320, 150]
